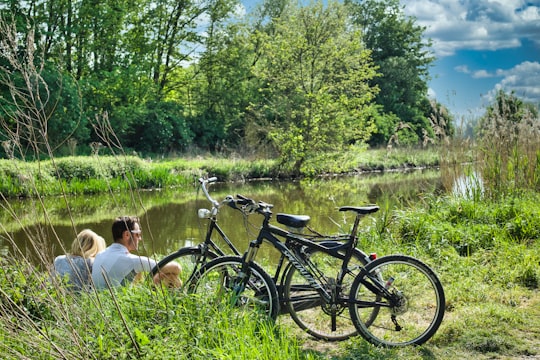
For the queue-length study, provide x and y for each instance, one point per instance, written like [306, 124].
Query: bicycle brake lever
[229, 200]
[250, 206]
[265, 205]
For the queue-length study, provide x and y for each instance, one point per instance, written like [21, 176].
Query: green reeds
[510, 146]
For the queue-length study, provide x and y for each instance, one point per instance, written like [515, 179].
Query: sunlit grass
[102, 174]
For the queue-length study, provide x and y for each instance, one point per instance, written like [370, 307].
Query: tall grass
[103, 174]
[492, 299]
[86, 175]
[40, 320]
[510, 147]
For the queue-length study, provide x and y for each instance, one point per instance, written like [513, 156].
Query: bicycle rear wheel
[412, 310]
[222, 282]
[191, 259]
[326, 321]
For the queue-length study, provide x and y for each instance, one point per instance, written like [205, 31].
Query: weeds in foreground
[134, 322]
[489, 268]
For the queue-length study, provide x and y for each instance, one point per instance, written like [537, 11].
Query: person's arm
[142, 263]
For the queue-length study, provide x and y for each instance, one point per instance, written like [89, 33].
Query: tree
[39, 105]
[403, 58]
[219, 88]
[315, 76]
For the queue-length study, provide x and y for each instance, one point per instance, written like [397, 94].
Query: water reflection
[169, 218]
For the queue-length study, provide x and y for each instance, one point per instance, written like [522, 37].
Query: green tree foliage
[126, 56]
[292, 78]
[160, 128]
[403, 57]
[221, 88]
[314, 74]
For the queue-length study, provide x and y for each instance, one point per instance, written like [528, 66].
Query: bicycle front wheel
[191, 259]
[222, 282]
[409, 310]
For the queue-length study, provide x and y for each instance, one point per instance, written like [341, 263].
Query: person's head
[126, 230]
[87, 244]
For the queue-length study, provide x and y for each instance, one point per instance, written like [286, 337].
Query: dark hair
[121, 224]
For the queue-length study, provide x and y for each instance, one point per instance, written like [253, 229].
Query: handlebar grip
[209, 180]
[263, 204]
[243, 200]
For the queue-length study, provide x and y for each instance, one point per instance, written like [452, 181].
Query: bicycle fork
[242, 277]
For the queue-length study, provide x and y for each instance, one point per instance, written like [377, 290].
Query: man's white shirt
[119, 266]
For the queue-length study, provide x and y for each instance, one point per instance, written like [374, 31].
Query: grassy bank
[486, 253]
[103, 174]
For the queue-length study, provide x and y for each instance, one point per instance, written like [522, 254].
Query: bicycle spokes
[222, 282]
[399, 301]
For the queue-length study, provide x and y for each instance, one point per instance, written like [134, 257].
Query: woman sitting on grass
[77, 265]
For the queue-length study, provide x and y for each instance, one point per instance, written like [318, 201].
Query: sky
[481, 46]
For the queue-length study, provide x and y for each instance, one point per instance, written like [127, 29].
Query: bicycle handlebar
[246, 204]
[250, 205]
[204, 182]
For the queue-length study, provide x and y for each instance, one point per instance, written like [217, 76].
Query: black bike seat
[295, 221]
[360, 209]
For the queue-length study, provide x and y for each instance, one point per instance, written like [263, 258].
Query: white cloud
[476, 24]
[523, 79]
[480, 74]
[462, 69]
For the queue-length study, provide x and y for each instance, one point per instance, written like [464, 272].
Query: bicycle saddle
[360, 209]
[294, 221]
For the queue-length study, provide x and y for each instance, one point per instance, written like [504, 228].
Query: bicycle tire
[191, 259]
[411, 316]
[307, 308]
[220, 282]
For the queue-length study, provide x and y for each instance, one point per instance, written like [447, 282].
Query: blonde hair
[87, 244]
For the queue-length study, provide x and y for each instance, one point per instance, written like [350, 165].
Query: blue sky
[481, 46]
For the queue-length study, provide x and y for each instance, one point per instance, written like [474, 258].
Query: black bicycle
[193, 258]
[394, 300]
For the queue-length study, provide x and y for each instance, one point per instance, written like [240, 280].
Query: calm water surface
[172, 222]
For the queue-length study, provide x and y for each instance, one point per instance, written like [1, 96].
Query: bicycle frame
[213, 227]
[341, 247]
[272, 234]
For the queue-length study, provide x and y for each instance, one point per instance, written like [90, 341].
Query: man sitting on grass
[116, 265]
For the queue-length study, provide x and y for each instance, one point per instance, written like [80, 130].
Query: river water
[40, 230]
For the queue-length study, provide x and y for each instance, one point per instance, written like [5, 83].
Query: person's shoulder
[101, 255]
[107, 250]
